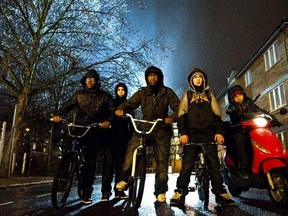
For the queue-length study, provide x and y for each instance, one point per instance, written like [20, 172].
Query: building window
[283, 136]
[272, 55]
[248, 77]
[277, 97]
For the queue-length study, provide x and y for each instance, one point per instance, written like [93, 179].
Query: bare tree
[46, 45]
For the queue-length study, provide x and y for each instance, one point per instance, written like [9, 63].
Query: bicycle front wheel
[138, 182]
[63, 181]
[203, 187]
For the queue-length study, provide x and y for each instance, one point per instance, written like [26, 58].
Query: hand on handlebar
[56, 118]
[105, 124]
[219, 139]
[168, 120]
[119, 113]
[184, 139]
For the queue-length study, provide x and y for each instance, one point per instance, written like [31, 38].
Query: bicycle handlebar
[87, 127]
[133, 120]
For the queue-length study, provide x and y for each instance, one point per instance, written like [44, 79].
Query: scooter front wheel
[279, 195]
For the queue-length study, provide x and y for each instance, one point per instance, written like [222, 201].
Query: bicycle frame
[202, 179]
[134, 192]
[141, 138]
[69, 166]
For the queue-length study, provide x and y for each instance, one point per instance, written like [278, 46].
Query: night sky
[215, 35]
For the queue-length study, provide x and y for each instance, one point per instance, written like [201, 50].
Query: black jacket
[91, 106]
[235, 110]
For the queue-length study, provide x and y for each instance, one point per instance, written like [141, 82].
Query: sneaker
[106, 196]
[87, 201]
[177, 199]
[120, 186]
[161, 197]
[224, 199]
[120, 195]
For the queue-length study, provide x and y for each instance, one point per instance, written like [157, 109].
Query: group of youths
[198, 117]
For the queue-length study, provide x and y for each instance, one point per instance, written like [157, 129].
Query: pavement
[22, 181]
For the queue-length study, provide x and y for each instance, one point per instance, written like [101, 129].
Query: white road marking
[7, 203]
[43, 195]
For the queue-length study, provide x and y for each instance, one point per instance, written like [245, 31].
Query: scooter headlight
[260, 122]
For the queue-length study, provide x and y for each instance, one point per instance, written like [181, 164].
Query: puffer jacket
[91, 105]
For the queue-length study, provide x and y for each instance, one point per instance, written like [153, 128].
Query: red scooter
[269, 169]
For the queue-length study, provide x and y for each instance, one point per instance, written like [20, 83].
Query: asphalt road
[35, 200]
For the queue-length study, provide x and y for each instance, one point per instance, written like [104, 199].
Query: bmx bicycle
[136, 181]
[70, 166]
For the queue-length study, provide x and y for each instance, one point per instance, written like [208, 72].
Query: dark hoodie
[118, 100]
[155, 101]
[154, 89]
[121, 126]
[234, 110]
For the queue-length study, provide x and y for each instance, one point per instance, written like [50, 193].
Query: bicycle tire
[138, 182]
[203, 187]
[63, 181]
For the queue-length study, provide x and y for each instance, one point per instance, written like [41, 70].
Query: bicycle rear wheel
[138, 182]
[203, 187]
[63, 181]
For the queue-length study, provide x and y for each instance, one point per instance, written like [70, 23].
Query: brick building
[265, 74]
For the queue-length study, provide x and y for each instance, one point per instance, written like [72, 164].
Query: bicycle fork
[199, 166]
[134, 161]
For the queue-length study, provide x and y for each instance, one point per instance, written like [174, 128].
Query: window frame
[277, 97]
[272, 55]
[248, 77]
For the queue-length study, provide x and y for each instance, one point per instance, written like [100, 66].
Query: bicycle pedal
[192, 189]
[149, 164]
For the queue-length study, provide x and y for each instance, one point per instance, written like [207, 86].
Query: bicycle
[202, 176]
[70, 167]
[136, 181]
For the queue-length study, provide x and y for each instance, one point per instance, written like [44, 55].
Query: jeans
[190, 154]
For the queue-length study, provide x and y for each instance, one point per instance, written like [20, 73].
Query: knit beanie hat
[237, 89]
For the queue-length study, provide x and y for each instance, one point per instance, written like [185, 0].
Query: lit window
[277, 97]
[248, 77]
[272, 55]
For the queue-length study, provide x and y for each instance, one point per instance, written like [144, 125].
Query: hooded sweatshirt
[234, 110]
[155, 101]
[199, 118]
[118, 100]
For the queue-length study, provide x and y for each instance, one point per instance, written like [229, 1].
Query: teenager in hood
[122, 132]
[155, 100]
[239, 144]
[199, 121]
[92, 105]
